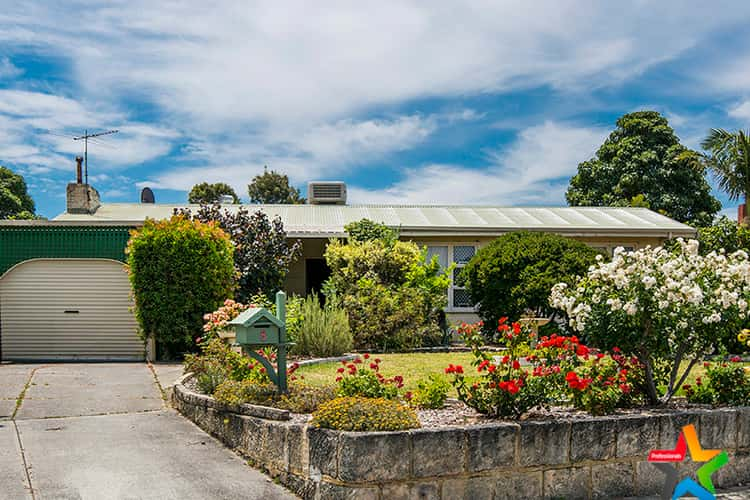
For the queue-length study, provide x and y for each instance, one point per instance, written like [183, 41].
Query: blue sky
[425, 102]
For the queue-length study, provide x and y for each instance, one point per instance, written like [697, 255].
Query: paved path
[103, 431]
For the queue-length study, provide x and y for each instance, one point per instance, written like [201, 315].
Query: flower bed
[587, 457]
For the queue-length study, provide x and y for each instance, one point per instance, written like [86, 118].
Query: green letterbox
[257, 326]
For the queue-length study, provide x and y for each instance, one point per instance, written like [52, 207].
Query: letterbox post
[281, 355]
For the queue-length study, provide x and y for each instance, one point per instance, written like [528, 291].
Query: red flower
[340, 370]
[502, 320]
[505, 359]
[571, 376]
[491, 368]
[366, 356]
[616, 349]
[358, 360]
[454, 369]
[377, 360]
[374, 366]
[516, 328]
[735, 359]
[338, 379]
[482, 365]
[516, 364]
[582, 350]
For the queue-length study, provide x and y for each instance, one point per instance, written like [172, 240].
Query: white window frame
[450, 308]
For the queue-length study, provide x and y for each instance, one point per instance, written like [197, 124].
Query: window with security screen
[459, 255]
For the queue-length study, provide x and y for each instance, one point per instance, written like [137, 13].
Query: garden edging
[598, 457]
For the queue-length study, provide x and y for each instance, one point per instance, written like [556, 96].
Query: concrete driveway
[101, 431]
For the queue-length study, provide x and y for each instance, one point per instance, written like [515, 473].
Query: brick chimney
[81, 198]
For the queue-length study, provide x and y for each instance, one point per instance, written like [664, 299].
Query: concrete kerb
[319, 463]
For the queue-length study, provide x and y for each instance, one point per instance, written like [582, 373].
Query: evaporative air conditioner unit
[326, 193]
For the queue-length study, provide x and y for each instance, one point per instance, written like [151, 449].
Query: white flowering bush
[663, 307]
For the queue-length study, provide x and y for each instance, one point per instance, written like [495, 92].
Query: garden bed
[572, 456]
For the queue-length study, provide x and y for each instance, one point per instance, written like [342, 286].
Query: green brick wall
[19, 243]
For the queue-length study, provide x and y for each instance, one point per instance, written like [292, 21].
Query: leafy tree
[392, 295]
[262, 253]
[179, 270]
[15, 202]
[513, 275]
[273, 188]
[643, 156]
[367, 230]
[726, 234]
[205, 193]
[729, 159]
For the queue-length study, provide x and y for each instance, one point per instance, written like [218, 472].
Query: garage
[67, 309]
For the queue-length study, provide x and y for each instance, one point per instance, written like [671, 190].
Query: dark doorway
[316, 272]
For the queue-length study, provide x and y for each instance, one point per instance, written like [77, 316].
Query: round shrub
[513, 275]
[179, 269]
[365, 414]
[390, 292]
[431, 392]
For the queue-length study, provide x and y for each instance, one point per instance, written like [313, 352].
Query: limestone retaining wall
[603, 457]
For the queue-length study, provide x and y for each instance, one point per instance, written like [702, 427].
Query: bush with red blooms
[602, 383]
[504, 388]
[728, 383]
[362, 377]
[559, 370]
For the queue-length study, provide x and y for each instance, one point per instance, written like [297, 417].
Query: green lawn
[416, 366]
[412, 366]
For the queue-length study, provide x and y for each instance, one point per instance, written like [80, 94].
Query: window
[460, 255]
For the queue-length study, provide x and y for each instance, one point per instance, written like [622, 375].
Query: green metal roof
[20, 242]
[250, 316]
[425, 220]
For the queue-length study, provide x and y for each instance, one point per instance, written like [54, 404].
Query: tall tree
[205, 193]
[729, 159]
[273, 188]
[643, 159]
[262, 252]
[15, 202]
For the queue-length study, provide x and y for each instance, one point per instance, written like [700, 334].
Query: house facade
[65, 295]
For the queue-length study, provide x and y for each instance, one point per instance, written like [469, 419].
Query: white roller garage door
[68, 309]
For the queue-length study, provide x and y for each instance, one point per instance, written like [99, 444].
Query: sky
[407, 102]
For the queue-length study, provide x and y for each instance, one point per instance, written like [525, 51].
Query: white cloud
[294, 84]
[740, 111]
[257, 62]
[527, 172]
[303, 154]
[8, 70]
[37, 129]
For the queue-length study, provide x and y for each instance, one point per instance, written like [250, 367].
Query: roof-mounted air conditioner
[326, 193]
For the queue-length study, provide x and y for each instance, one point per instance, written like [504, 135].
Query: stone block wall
[604, 457]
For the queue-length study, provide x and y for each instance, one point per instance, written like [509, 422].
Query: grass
[417, 366]
[412, 366]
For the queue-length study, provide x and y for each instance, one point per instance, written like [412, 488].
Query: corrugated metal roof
[432, 220]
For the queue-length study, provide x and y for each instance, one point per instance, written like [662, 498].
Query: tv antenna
[85, 137]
